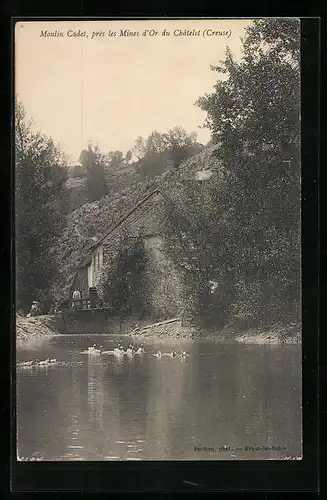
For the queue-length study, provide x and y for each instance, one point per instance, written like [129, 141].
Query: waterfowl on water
[173, 352]
[93, 349]
[45, 362]
[119, 351]
[140, 350]
[26, 363]
[130, 350]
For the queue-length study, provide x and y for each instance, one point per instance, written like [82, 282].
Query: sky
[112, 89]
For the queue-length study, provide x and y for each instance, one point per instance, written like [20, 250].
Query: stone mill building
[143, 221]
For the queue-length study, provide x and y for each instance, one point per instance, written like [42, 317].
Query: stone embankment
[40, 327]
[276, 334]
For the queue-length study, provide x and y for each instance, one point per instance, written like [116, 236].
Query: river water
[222, 402]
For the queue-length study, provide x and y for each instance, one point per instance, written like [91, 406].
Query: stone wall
[97, 322]
[166, 290]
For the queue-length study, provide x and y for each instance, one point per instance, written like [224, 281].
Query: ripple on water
[70, 456]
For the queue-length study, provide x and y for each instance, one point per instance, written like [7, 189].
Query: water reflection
[74, 440]
[142, 407]
[165, 417]
[95, 392]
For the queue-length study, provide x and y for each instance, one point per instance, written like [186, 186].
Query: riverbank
[276, 334]
[36, 328]
[41, 327]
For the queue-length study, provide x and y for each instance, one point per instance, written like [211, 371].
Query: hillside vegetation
[89, 222]
[230, 210]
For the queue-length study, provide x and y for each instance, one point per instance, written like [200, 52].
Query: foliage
[160, 152]
[77, 171]
[124, 287]
[93, 161]
[41, 208]
[244, 227]
[236, 235]
[192, 236]
[114, 159]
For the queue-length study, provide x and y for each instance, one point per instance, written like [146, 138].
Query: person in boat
[183, 354]
[140, 350]
[158, 354]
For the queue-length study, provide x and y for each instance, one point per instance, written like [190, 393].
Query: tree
[128, 156]
[41, 208]
[94, 163]
[140, 148]
[114, 159]
[247, 222]
[160, 151]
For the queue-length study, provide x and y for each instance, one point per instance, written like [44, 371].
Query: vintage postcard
[158, 239]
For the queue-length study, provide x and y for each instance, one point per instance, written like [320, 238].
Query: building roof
[137, 221]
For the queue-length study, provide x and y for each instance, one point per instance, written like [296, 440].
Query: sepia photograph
[157, 177]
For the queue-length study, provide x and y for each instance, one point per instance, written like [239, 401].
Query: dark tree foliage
[93, 161]
[160, 152]
[41, 207]
[125, 288]
[246, 224]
